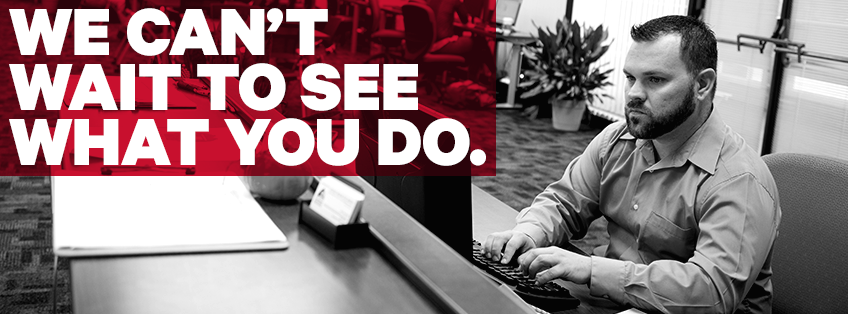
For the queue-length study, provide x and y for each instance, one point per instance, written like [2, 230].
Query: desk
[308, 277]
[476, 29]
[518, 40]
[491, 215]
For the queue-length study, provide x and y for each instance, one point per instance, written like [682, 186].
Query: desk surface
[515, 37]
[307, 277]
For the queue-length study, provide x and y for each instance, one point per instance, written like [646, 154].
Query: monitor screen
[507, 8]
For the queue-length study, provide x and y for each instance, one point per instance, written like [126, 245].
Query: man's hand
[502, 246]
[549, 263]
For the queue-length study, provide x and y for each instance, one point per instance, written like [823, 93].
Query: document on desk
[97, 216]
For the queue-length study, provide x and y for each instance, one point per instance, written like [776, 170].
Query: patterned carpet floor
[26, 257]
[530, 155]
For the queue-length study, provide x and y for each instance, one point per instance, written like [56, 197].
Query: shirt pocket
[666, 240]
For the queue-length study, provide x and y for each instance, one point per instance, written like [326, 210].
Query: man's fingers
[558, 271]
[525, 259]
[515, 245]
[486, 244]
[542, 262]
[494, 245]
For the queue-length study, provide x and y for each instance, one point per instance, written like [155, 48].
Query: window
[812, 115]
[744, 76]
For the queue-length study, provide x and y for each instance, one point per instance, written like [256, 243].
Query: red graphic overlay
[398, 102]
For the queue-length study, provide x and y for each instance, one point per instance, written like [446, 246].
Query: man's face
[660, 91]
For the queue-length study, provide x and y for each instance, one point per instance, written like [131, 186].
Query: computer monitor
[507, 8]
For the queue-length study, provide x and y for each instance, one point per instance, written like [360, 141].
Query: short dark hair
[697, 41]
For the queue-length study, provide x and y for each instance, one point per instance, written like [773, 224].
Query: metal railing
[781, 45]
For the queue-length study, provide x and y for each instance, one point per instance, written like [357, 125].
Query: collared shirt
[692, 232]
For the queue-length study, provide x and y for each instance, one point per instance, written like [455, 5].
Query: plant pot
[567, 114]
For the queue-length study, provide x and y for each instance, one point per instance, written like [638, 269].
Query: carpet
[531, 154]
[26, 257]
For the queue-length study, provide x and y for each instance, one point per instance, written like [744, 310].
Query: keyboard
[550, 297]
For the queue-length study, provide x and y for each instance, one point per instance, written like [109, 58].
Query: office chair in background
[387, 38]
[419, 24]
[811, 249]
[338, 23]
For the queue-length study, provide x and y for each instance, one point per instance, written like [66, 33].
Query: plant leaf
[561, 63]
[532, 92]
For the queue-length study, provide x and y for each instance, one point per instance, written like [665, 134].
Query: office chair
[810, 251]
[420, 33]
[338, 22]
[387, 38]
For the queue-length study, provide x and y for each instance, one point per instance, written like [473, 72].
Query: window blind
[744, 76]
[812, 116]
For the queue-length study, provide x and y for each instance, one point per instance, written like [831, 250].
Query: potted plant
[561, 68]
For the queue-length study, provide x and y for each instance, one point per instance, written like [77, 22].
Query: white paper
[336, 201]
[102, 212]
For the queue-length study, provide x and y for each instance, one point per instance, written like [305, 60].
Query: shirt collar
[702, 148]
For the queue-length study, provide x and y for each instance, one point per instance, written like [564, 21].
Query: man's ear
[705, 80]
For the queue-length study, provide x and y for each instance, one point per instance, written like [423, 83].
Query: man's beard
[649, 126]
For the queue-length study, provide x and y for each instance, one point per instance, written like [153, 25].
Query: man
[693, 211]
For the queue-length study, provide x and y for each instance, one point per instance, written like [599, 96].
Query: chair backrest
[812, 244]
[419, 29]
